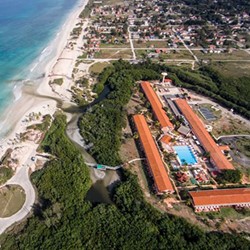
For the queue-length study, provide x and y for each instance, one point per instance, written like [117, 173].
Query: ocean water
[26, 29]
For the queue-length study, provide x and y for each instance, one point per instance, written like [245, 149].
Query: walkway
[22, 179]
[230, 136]
[105, 167]
[131, 44]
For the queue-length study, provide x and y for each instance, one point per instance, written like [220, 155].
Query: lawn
[228, 68]
[182, 54]
[12, 198]
[235, 55]
[97, 68]
[120, 45]
[5, 174]
[227, 213]
[243, 146]
[154, 44]
[114, 54]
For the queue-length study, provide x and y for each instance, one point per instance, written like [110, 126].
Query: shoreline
[23, 102]
[36, 101]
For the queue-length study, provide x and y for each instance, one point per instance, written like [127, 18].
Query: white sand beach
[30, 108]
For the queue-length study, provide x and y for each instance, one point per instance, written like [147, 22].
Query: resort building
[154, 159]
[157, 107]
[213, 200]
[217, 158]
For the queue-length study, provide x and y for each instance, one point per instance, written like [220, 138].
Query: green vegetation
[12, 198]
[243, 145]
[46, 121]
[64, 220]
[227, 213]
[76, 32]
[230, 176]
[97, 68]
[5, 174]
[229, 92]
[58, 81]
[103, 123]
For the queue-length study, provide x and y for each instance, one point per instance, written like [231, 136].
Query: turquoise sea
[26, 29]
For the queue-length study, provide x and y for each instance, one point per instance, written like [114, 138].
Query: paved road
[21, 178]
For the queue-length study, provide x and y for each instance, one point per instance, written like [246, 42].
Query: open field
[172, 55]
[98, 67]
[235, 55]
[12, 198]
[120, 45]
[227, 213]
[152, 44]
[5, 174]
[228, 68]
[114, 54]
[227, 125]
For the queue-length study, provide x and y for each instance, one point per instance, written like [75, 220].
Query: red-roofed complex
[155, 163]
[213, 200]
[216, 156]
[156, 106]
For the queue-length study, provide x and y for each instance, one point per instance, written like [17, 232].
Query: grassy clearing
[228, 68]
[235, 55]
[228, 125]
[5, 174]
[58, 81]
[182, 54]
[243, 146]
[114, 54]
[97, 68]
[12, 198]
[120, 45]
[227, 213]
[154, 44]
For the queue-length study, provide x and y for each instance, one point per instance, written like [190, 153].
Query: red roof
[168, 80]
[156, 105]
[153, 156]
[204, 137]
[166, 139]
[221, 197]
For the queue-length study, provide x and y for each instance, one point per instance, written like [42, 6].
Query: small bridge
[105, 167]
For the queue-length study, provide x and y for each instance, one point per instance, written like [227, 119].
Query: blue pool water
[26, 28]
[185, 155]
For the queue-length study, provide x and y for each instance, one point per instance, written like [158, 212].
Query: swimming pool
[185, 155]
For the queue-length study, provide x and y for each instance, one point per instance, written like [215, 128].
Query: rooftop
[221, 196]
[153, 156]
[204, 137]
[156, 105]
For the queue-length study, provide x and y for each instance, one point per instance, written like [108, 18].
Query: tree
[231, 176]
